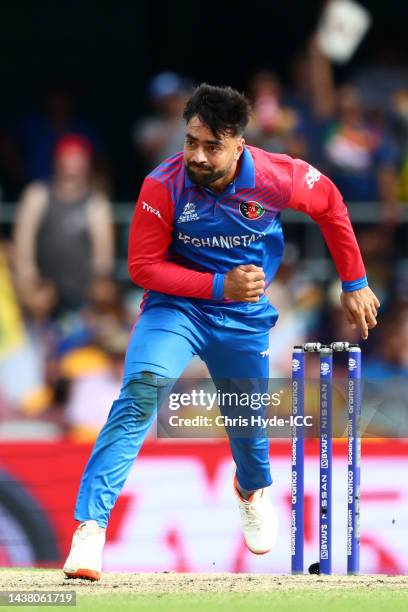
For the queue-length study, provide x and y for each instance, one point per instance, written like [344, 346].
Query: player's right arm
[317, 196]
[149, 239]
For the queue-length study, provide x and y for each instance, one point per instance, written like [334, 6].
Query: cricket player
[205, 241]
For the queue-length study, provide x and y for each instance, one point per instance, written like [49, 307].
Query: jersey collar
[245, 178]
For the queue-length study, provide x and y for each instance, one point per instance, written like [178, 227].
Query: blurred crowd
[64, 316]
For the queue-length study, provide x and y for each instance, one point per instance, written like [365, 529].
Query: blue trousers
[233, 342]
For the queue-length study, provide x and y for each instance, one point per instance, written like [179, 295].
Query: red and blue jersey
[185, 237]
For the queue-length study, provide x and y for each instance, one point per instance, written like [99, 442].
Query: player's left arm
[316, 195]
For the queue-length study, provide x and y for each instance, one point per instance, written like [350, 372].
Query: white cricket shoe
[259, 520]
[85, 557]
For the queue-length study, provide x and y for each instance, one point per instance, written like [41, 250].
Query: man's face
[209, 158]
[72, 163]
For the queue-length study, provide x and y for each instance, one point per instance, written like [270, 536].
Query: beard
[203, 175]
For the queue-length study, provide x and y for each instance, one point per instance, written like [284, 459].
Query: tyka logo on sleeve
[150, 209]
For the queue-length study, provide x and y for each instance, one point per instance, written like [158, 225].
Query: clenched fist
[244, 283]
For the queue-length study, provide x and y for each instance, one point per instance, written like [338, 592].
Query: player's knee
[145, 391]
[140, 383]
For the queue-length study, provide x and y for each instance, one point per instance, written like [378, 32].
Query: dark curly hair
[223, 109]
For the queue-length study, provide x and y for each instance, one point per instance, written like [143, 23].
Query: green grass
[287, 596]
[305, 600]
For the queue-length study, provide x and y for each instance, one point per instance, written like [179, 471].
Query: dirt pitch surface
[162, 582]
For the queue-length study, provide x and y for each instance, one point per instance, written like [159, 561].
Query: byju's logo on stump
[251, 210]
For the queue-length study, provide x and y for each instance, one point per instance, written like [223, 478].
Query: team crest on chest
[251, 210]
[189, 213]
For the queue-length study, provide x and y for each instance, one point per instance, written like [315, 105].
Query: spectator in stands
[384, 75]
[274, 126]
[88, 392]
[162, 134]
[358, 155]
[103, 319]
[27, 343]
[309, 107]
[64, 228]
[37, 135]
[91, 358]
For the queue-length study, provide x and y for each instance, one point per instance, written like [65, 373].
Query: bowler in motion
[205, 241]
